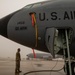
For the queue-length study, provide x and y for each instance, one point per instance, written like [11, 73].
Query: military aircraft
[46, 26]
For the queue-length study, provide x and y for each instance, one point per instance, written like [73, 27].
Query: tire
[72, 67]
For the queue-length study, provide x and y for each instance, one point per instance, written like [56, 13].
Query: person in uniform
[18, 59]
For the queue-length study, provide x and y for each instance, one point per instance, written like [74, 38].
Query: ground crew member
[18, 59]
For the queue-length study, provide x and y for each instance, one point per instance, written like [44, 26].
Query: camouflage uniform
[18, 59]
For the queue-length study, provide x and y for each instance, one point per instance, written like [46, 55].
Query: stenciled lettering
[66, 15]
[54, 16]
[69, 15]
[21, 22]
[42, 16]
[20, 28]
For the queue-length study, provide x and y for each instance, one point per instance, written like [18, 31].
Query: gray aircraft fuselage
[59, 14]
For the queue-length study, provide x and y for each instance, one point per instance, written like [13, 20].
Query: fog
[8, 48]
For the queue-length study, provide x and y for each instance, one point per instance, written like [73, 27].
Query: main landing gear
[66, 68]
[69, 67]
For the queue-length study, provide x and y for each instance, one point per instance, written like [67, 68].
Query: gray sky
[7, 47]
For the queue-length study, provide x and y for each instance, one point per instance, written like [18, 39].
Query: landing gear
[69, 65]
[63, 42]
[58, 40]
[67, 68]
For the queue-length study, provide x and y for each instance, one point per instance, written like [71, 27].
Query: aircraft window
[28, 6]
[37, 4]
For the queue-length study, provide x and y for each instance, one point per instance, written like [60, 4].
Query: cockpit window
[39, 4]
[36, 5]
[29, 6]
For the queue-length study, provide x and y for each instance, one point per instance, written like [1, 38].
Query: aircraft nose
[3, 25]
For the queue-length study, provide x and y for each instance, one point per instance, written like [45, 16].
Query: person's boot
[16, 71]
[19, 71]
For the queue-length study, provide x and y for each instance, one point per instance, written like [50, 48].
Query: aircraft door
[51, 39]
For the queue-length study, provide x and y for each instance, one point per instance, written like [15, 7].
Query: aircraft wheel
[72, 66]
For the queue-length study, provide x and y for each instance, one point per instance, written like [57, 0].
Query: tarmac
[32, 67]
